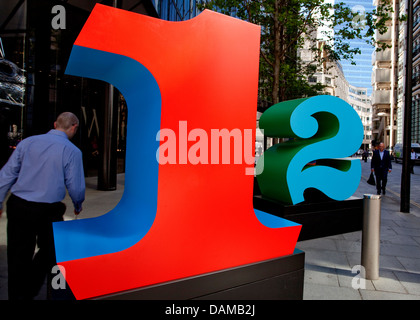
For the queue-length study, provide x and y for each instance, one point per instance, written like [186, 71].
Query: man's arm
[75, 180]
[10, 172]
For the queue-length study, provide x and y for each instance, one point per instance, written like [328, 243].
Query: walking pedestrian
[412, 159]
[365, 155]
[37, 175]
[381, 165]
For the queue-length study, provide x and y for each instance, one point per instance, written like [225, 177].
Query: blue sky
[359, 74]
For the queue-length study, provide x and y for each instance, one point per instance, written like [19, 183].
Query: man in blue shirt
[37, 175]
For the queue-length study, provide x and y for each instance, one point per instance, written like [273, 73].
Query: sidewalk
[329, 261]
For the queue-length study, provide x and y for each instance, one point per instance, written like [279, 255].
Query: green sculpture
[323, 130]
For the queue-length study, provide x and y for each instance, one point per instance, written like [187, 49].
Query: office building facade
[389, 78]
[385, 84]
[415, 117]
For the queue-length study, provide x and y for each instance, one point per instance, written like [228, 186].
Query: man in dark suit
[381, 165]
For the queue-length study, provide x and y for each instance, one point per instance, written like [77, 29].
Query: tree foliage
[286, 24]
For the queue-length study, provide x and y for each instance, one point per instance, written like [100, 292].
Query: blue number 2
[325, 130]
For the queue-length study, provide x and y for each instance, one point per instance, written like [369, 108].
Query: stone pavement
[328, 261]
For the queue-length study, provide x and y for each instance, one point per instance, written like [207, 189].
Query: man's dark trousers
[381, 175]
[29, 224]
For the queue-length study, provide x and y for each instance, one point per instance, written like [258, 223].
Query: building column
[107, 171]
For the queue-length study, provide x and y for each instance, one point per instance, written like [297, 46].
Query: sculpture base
[319, 219]
[275, 279]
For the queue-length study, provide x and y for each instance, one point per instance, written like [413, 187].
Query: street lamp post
[405, 176]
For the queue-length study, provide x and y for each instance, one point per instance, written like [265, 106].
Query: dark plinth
[318, 215]
[275, 279]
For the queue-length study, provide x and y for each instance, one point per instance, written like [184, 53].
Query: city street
[394, 182]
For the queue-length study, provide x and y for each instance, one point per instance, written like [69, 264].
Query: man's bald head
[68, 123]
